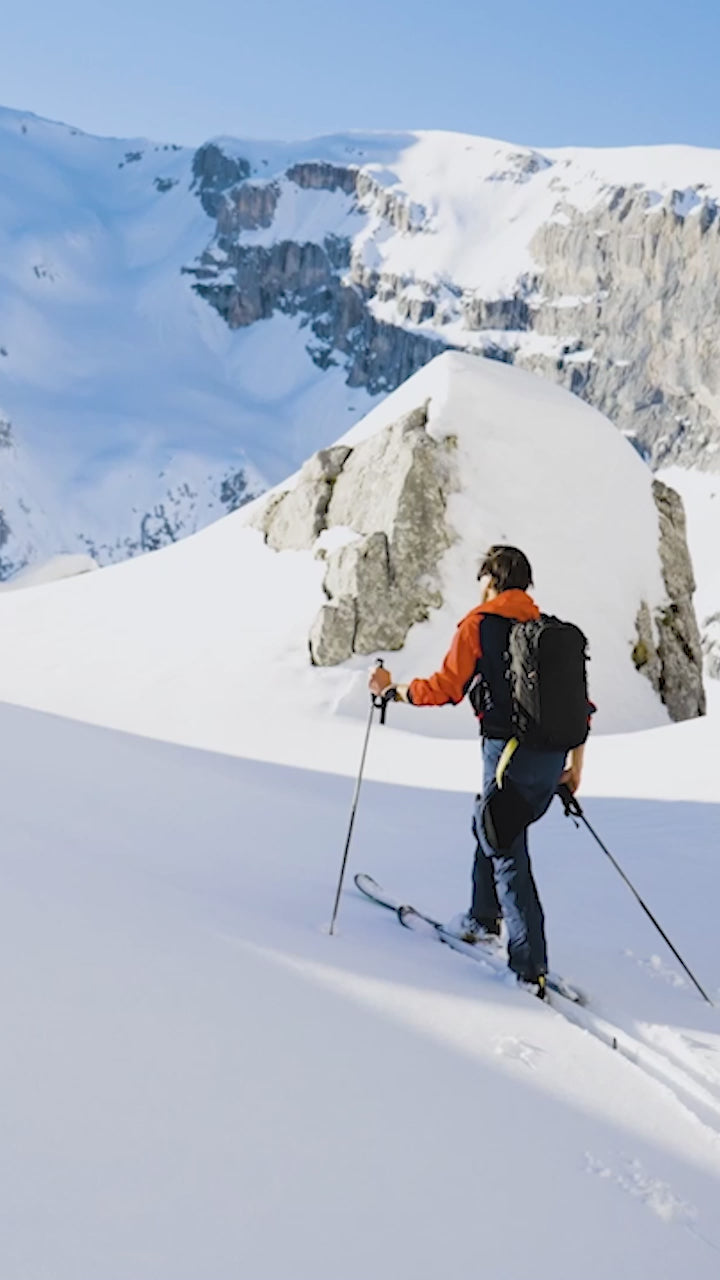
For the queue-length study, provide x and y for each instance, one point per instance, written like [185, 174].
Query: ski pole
[573, 809]
[376, 702]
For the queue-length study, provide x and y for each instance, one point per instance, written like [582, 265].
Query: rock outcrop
[294, 520]
[632, 289]
[399, 515]
[322, 281]
[247, 283]
[387, 500]
[669, 651]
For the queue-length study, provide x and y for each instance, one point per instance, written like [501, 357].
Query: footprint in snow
[657, 968]
[520, 1050]
[656, 1195]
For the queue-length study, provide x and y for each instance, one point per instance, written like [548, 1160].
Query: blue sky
[542, 72]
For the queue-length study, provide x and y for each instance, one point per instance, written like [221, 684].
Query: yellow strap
[507, 755]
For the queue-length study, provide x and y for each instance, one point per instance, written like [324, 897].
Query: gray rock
[645, 285]
[408, 508]
[293, 520]
[247, 283]
[213, 173]
[333, 632]
[668, 649]
[391, 490]
[318, 176]
[391, 572]
[679, 648]
[645, 650]
[362, 572]
[496, 313]
[246, 208]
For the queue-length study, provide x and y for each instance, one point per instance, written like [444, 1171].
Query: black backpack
[547, 671]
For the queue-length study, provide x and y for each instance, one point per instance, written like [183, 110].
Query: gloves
[379, 682]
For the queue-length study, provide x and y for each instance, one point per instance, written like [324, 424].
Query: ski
[692, 1093]
[487, 954]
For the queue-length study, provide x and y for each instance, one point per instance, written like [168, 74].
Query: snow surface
[52, 570]
[197, 1080]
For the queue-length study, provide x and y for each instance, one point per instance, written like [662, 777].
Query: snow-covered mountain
[179, 329]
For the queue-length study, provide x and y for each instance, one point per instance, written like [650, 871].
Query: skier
[519, 781]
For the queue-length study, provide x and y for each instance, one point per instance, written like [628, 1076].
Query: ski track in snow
[655, 1194]
[657, 1052]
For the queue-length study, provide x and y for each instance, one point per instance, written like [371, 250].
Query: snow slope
[197, 1080]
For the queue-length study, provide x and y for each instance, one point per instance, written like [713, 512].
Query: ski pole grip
[569, 803]
[380, 700]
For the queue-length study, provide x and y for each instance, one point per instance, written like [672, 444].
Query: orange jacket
[451, 682]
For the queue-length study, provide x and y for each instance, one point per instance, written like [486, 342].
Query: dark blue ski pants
[503, 883]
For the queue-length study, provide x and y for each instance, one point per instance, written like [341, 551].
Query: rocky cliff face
[632, 289]
[619, 303]
[381, 572]
[322, 281]
[669, 650]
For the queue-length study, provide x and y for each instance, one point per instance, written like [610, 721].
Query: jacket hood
[512, 604]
